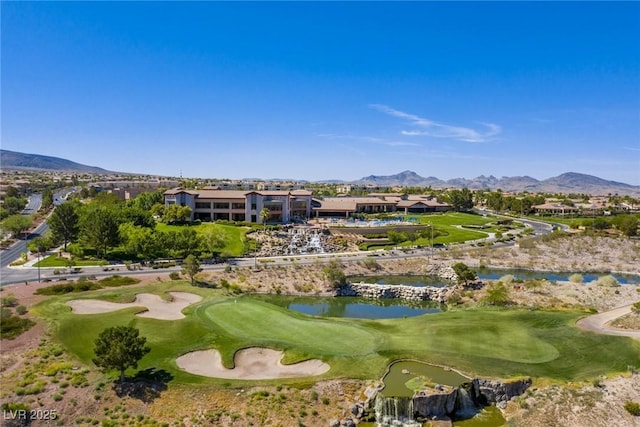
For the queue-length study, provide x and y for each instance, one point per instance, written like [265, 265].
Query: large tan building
[377, 203]
[212, 204]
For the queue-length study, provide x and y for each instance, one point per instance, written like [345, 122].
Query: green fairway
[486, 342]
[449, 225]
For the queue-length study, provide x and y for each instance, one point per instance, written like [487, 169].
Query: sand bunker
[157, 308]
[253, 363]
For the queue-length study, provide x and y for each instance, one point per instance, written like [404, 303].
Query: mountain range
[570, 182]
[23, 161]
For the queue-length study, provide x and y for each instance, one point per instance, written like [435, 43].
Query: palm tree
[264, 216]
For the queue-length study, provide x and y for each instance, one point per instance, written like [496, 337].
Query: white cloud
[426, 127]
[369, 139]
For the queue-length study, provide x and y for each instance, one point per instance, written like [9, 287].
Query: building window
[203, 205]
[237, 206]
[221, 206]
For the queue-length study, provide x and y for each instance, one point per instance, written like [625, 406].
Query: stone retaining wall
[411, 293]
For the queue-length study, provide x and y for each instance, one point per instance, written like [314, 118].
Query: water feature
[496, 273]
[404, 372]
[305, 241]
[394, 411]
[396, 405]
[401, 279]
[353, 307]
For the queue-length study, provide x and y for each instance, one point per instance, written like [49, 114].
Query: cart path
[599, 323]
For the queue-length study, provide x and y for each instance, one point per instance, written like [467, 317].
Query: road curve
[599, 323]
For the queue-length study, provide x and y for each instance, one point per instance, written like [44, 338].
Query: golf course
[478, 341]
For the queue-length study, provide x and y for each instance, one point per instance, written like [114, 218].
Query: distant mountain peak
[570, 182]
[16, 160]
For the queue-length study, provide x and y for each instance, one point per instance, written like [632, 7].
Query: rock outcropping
[411, 293]
[444, 402]
[486, 392]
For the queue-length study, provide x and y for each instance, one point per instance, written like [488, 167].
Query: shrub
[576, 278]
[21, 309]
[371, 264]
[608, 280]
[174, 275]
[9, 301]
[116, 280]
[65, 288]
[13, 326]
[633, 408]
[497, 294]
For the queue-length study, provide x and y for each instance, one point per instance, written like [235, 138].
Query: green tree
[334, 274]
[628, 225]
[41, 244]
[100, 230]
[147, 200]
[17, 224]
[495, 201]
[138, 241]
[600, 224]
[461, 200]
[47, 198]
[191, 267]
[396, 237]
[119, 348]
[14, 205]
[186, 241]
[65, 223]
[176, 213]
[215, 240]
[264, 216]
[157, 210]
[464, 273]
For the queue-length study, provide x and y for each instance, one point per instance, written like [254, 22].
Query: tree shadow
[146, 385]
[203, 284]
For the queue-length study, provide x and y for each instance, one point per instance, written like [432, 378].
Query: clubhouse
[214, 204]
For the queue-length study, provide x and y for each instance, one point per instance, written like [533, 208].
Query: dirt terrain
[83, 397]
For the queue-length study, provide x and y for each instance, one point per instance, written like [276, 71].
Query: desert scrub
[576, 278]
[633, 408]
[608, 281]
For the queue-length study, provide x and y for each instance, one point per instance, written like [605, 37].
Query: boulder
[434, 403]
[492, 391]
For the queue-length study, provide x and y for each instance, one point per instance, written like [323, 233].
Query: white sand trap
[255, 363]
[157, 308]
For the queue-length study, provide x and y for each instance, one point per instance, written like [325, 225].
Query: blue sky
[326, 90]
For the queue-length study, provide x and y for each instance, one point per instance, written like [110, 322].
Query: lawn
[235, 234]
[58, 261]
[479, 341]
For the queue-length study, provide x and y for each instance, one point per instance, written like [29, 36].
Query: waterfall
[394, 412]
[465, 406]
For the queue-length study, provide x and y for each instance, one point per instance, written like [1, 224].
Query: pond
[353, 307]
[401, 279]
[399, 384]
[496, 273]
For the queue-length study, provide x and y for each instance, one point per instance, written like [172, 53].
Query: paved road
[20, 275]
[11, 254]
[599, 322]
